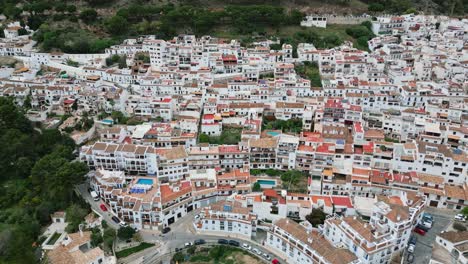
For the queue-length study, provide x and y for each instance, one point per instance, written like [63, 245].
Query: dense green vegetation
[450, 7]
[37, 177]
[316, 217]
[309, 70]
[127, 252]
[81, 29]
[78, 27]
[218, 254]
[125, 233]
[293, 180]
[229, 136]
[291, 125]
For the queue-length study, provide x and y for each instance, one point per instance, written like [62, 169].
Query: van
[95, 196]
[411, 248]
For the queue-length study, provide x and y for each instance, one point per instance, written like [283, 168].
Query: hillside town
[242, 143]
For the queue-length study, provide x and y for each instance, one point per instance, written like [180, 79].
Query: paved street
[423, 250]
[82, 189]
[182, 232]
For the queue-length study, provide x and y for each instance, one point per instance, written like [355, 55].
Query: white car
[411, 248]
[460, 217]
[266, 256]
[248, 247]
[256, 251]
[427, 224]
[188, 244]
[197, 216]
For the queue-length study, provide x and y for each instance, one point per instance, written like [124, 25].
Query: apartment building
[228, 217]
[387, 232]
[303, 244]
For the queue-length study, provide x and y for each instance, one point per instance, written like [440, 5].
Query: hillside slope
[92, 25]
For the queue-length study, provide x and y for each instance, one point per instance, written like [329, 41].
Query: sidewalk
[134, 258]
[249, 240]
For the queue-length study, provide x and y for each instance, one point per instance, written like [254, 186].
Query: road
[82, 190]
[423, 250]
[182, 232]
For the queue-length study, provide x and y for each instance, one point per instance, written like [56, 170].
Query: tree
[116, 25]
[376, 7]
[191, 250]
[108, 237]
[125, 232]
[316, 217]
[119, 117]
[75, 216]
[256, 187]
[75, 105]
[99, 2]
[203, 138]
[71, 9]
[96, 237]
[122, 62]
[88, 15]
[178, 257]
[137, 237]
[464, 211]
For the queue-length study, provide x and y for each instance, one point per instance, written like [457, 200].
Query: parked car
[410, 258]
[223, 241]
[427, 224]
[419, 231]
[428, 216]
[266, 256]
[178, 249]
[199, 242]
[246, 246]
[103, 207]
[275, 261]
[411, 248]
[423, 227]
[115, 219]
[460, 217]
[256, 251]
[234, 243]
[166, 230]
[123, 224]
[188, 244]
[412, 240]
[197, 216]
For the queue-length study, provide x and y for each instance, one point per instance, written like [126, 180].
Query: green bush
[459, 227]
[129, 251]
[88, 15]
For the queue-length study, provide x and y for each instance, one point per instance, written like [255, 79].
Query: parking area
[423, 250]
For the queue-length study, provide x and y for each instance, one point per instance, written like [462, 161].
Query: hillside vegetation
[91, 26]
[37, 177]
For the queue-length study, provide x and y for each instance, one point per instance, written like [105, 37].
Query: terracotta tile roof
[316, 242]
[454, 236]
[69, 254]
[456, 192]
[263, 142]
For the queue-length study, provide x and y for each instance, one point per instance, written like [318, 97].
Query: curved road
[181, 232]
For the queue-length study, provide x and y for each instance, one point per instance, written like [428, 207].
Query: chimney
[80, 227]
